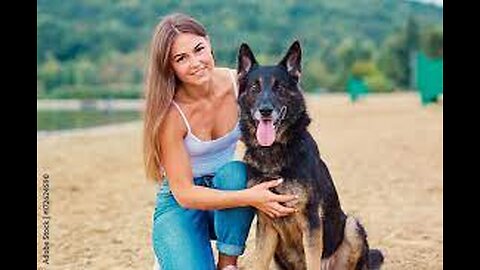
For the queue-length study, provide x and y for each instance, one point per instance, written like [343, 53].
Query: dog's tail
[375, 259]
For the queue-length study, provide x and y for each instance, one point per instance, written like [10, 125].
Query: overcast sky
[436, 2]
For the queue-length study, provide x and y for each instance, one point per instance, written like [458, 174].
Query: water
[49, 120]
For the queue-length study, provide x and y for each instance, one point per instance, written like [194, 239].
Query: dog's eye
[255, 88]
[279, 88]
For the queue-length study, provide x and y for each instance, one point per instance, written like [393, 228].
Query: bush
[372, 76]
[316, 76]
[378, 83]
[363, 69]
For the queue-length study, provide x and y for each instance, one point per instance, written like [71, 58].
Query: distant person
[191, 129]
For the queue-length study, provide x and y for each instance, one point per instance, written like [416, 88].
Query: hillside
[104, 41]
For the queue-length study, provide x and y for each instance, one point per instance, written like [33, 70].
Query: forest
[98, 48]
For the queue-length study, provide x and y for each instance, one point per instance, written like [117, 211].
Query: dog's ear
[246, 60]
[292, 60]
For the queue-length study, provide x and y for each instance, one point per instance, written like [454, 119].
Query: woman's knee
[182, 232]
[231, 176]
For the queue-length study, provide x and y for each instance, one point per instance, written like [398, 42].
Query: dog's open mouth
[267, 127]
[266, 131]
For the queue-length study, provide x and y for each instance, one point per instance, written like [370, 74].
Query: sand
[385, 154]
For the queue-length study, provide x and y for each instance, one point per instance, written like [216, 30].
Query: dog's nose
[266, 111]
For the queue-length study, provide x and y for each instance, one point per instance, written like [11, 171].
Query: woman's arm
[176, 163]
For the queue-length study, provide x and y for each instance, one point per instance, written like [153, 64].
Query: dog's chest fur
[289, 186]
[291, 163]
[305, 175]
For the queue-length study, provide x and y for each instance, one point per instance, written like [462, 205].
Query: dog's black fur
[273, 93]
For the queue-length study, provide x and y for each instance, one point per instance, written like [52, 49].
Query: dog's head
[270, 97]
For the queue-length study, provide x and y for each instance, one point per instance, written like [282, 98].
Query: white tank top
[206, 157]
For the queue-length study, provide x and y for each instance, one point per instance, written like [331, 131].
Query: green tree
[373, 77]
[365, 50]
[333, 34]
[394, 60]
[412, 34]
[412, 39]
[433, 42]
[346, 53]
[316, 75]
[49, 73]
[85, 72]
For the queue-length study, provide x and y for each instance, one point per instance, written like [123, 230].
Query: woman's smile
[200, 72]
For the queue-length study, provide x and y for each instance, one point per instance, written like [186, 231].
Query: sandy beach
[385, 154]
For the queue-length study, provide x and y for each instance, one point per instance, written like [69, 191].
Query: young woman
[190, 135]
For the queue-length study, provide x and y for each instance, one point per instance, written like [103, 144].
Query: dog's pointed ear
[292, 60]
[246, 60]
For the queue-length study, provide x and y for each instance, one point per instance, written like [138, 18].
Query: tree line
[98, 48]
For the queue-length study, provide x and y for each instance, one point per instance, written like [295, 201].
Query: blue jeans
[181, 237]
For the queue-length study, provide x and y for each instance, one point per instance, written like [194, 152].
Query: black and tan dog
[274, 124]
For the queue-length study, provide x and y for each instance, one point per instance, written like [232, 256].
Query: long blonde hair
[160, 85]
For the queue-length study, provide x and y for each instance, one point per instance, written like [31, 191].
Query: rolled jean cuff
[230, 250]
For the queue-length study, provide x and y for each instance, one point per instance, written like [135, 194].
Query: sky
[436, 2]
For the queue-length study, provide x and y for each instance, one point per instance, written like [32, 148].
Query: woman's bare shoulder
[173, 122]
[224, 78]
[225, 73]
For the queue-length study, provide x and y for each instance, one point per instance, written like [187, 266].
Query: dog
[273, 122]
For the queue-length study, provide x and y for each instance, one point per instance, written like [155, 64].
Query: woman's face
[191, 59]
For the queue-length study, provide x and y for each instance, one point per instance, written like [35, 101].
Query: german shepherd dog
[274, 124]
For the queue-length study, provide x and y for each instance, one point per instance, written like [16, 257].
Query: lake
[48, 120]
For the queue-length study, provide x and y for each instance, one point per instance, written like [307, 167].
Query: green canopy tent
[428, 77]
[356, 87]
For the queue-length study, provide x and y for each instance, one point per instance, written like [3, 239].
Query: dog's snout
[266, 111]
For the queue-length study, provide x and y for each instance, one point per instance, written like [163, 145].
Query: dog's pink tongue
[265, 133]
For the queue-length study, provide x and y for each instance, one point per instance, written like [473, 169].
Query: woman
[190, 133]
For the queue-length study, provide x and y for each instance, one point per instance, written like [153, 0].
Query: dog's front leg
[312, 238]
[266, 243]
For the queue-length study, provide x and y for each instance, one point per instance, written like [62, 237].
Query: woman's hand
[268, 202]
